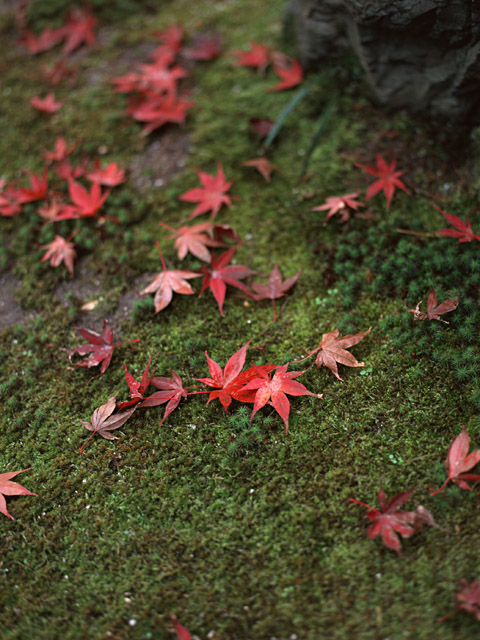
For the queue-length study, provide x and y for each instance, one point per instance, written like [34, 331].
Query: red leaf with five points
[137, 389]
[47, 104]
[459, 461]
[100, 347]
[219, 273]
[227, 380]
[342, 205]
[258, 57]
[159, 111]
[387, 180]
[102, 421]
[86, 203]
[291, 75]
[194, 240]
[58, 251]
[434, 311]
[273, 390]
[332, 349]
[211, 195]
[275, 288]
[111, 176]
[9, 488]
[171, 392]
[168, 281]
[463, 230]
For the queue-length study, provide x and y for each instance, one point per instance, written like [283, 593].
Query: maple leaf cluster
[259, 57]
[154, 87]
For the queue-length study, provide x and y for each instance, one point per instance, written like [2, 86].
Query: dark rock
[423, 55]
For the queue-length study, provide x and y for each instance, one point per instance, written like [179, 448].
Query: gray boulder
[423, 55]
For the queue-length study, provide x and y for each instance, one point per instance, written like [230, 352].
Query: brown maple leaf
[332, 349]
[263, 166]
[434, 311]
[459, 462]
[168, 281]
[468, 599]
[102, 421]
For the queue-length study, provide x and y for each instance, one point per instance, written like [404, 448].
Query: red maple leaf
[275, 288]
[182, 632]
[290, 73]
[52, 211]
[263, 166]
[332, 349]
[102, 421]
[86, 203]
[99, 346]
[58, 251]
[65, 171]
[203, 48]
[38, 188]
[168, 281]
[390, 522]
[463, 230]
[159, 111]
[111, 176]
[258, 57]
[388, 179]
[78, 30]
[137, 389]
[434, 311]
[9, 488]
[211, 195]
[220, 273]
[459, 461]
[45, 40]
[194, 240]
[468, 599]
[342, 205]
[273, 390]
[47, 104]
[60, 152]
[226, 381]
[171, 392]
[159, 78]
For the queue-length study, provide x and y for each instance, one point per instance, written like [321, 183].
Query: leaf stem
[161, 256]
[441, 488]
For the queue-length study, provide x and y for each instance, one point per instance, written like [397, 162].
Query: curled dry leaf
[102, 421]
[434, 311]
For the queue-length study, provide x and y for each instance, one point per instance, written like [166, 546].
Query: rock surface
[423, 55]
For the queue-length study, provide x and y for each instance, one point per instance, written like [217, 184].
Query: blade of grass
[286, 112]
[322, 125]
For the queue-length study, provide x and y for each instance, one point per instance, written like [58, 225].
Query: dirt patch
[161, 161]
[10, 311]
[128, 299]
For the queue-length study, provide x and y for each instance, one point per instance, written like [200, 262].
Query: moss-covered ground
[245, 533]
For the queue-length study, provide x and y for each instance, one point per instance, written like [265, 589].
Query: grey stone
[423, 55]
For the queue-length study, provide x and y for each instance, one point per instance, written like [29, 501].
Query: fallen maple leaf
[261, 126]
[159, 111]
[274, 390]
[468, 599]
[137, 389]
[263, 166]
[171, 392]
[332, 350]
[342, 205]
[219, 273]
[102, 421]
[388, 179]
[225, 381]
[86, 203]
[58, 251]
[203, 48]
[38, 190]
[100, 347]
[159, 77]
[258, 57]
[8, 488]
[47, 104]
[194, 240]
[66, 171]
[111, 176]
[182, 632]
[78, 30]
[390, 522]
[291, 75]
[275, 288]
[433, 311]
[211, 195]
[459, 461]
[463, 230]
[60, 152]
[168, 281]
